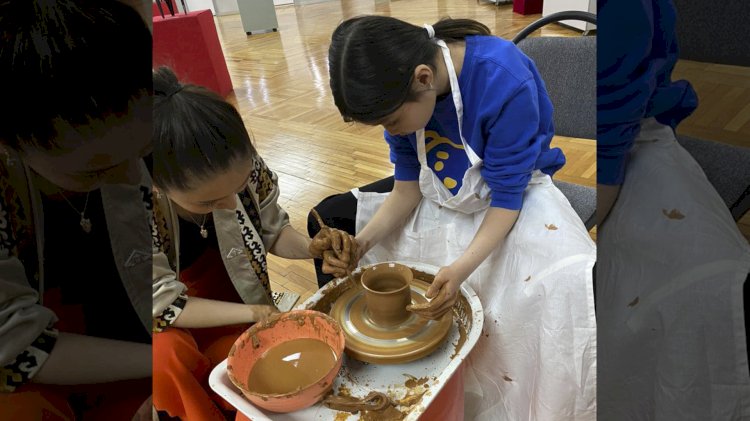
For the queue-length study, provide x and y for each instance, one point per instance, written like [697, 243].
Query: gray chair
[568, 67]
[727, 168]
[718, 34]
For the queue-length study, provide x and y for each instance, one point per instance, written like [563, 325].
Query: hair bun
[165, 82]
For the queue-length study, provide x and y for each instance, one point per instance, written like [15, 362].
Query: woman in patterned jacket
[75, 324]
[216, 217]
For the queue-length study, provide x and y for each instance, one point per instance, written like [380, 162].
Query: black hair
[196, 134]
[371, 61]
[73, 60]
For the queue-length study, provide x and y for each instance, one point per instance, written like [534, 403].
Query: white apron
[537, 357]
[672, 344]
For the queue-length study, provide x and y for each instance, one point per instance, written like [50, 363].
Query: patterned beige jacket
[27, 333]
[245, 234]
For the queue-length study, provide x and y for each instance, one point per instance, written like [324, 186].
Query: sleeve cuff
[27, 363]
[511, 201]
[406, 173]
[170, 314]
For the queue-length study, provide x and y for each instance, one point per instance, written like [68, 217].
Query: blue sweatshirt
[507, 121]
[634, 78]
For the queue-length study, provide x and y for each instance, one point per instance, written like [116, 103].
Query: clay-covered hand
[262, 311]
[443, 293]
[338, 249]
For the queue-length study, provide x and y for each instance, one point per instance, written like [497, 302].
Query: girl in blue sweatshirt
[469, 125]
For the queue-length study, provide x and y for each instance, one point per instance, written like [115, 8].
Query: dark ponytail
[372, 59]
[452, 30]
[196, 135]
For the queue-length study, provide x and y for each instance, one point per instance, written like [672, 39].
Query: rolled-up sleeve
[273, 217]
[169, 297]
[514, 143]
[625, 82]
[27, 336]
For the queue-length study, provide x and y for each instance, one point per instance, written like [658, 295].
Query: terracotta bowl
[280, 328]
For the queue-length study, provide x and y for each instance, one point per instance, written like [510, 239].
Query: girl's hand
[443, 293]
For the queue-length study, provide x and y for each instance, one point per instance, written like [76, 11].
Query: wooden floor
[723, 113]
[281, 89]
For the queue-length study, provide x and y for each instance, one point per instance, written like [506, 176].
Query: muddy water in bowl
[291, 366]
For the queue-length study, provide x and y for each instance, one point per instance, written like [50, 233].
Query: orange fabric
[448, 405]
[184, 358]
[111, 401]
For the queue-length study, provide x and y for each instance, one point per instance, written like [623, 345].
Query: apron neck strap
[457, 100]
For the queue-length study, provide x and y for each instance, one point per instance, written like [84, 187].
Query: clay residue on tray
[414, 382]
[388, 414]
[410, 399]
[329, 297]
[342, 416]
[374, 402]
[462, 316]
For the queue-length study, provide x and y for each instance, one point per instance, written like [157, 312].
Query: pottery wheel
[411, 340]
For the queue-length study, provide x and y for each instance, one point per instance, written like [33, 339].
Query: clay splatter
[673, 214]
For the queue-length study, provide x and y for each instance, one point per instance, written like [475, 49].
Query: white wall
[226, 7]
[222, 7]
[194, 5]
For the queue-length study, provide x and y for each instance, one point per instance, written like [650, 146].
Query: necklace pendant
[204, 232]
[85, 224]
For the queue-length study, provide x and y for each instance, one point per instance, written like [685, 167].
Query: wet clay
[387, 285]
[367, 341]
[462, 314]
[387, 293]
[376, 406]
[414, 382]
[410, 399]
[342, 416]
[374, 401]
[388, 414]
[291, 366]
[461, 310]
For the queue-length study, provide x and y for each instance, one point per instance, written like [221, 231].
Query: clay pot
[387, 293]
[280, 328]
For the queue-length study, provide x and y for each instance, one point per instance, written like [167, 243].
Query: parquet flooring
[281, 90]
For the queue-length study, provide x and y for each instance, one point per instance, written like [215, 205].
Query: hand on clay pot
[338, 249]
[443, 293]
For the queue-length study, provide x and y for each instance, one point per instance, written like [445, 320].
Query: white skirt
[537, 359]
[671, 268]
